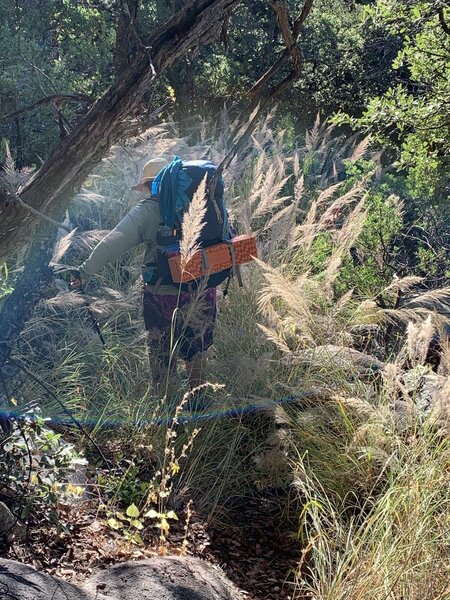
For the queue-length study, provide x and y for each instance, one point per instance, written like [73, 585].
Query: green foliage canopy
[414, 114]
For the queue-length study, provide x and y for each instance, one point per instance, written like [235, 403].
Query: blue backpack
[174, 188]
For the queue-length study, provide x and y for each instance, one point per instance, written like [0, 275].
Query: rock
[22, 582]
[9, 527]
[425, 387]
[342, 357]
[7, 519]
[168, 578]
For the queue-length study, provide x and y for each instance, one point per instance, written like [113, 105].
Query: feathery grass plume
[418, 338]
[193, 223]
[62, 246]
[357, 407]
[296, 166]
[313, 224]
[282, 221]
[334, 212]
[270, 199]
[360, 149]
[422, 305]
[345, 237]
[292, 298]
[10, 178]
[299, 187]
[275, 336]
[392, 384]
[312, 136]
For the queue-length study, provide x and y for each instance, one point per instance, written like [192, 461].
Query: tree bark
[33, 282]
[52, 187]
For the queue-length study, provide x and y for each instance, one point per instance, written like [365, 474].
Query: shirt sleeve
[138, 226]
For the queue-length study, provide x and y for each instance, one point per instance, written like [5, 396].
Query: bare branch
[36, 212]
[301, 18]
[280, 8]
[58, 99]
[258, 104]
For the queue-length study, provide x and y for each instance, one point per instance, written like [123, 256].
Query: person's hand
[77, 283]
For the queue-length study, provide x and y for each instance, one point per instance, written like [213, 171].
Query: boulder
[163, 578]
[168, 578]
[10, 528]
[7, 519]
[22, 582]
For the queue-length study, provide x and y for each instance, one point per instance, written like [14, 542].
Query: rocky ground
[249, 541]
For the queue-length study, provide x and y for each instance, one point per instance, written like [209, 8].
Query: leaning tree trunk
[52, 187]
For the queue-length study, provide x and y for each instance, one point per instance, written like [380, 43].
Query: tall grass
[320, 387]
[395, 544]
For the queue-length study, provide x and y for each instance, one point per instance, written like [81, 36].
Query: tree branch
[264, 79]
[442, 20]
[57, 98]
[289, 38]
[250, 117]
[302, 17]
[51, 188]
[36, 212]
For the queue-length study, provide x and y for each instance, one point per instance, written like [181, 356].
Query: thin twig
[39, 214]
[42, 383]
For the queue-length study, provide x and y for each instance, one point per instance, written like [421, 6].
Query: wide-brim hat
[149, 172]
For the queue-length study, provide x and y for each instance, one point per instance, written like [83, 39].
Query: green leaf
[152, 514]
[114, 524]
[133, 511]
[137, 523]
[172, 515]
[136, 538]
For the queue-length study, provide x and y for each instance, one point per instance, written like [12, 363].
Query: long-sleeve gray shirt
[138, 226]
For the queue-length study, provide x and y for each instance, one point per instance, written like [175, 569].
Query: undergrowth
[317, 372]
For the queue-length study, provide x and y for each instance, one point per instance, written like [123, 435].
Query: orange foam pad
[218, 259]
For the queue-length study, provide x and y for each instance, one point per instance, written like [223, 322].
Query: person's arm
[139, 225]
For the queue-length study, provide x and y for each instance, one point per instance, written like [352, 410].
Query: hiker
[146, 223]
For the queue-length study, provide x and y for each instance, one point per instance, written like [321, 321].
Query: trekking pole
[76, 276]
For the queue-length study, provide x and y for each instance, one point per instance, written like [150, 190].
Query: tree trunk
[52, 187]
[33, 281]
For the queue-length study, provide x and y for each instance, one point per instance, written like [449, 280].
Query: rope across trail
[230, 412]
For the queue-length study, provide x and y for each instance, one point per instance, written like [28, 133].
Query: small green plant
[133, 521]
[130, 523]
[124, 487]
[151, 495]
[35, 468]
